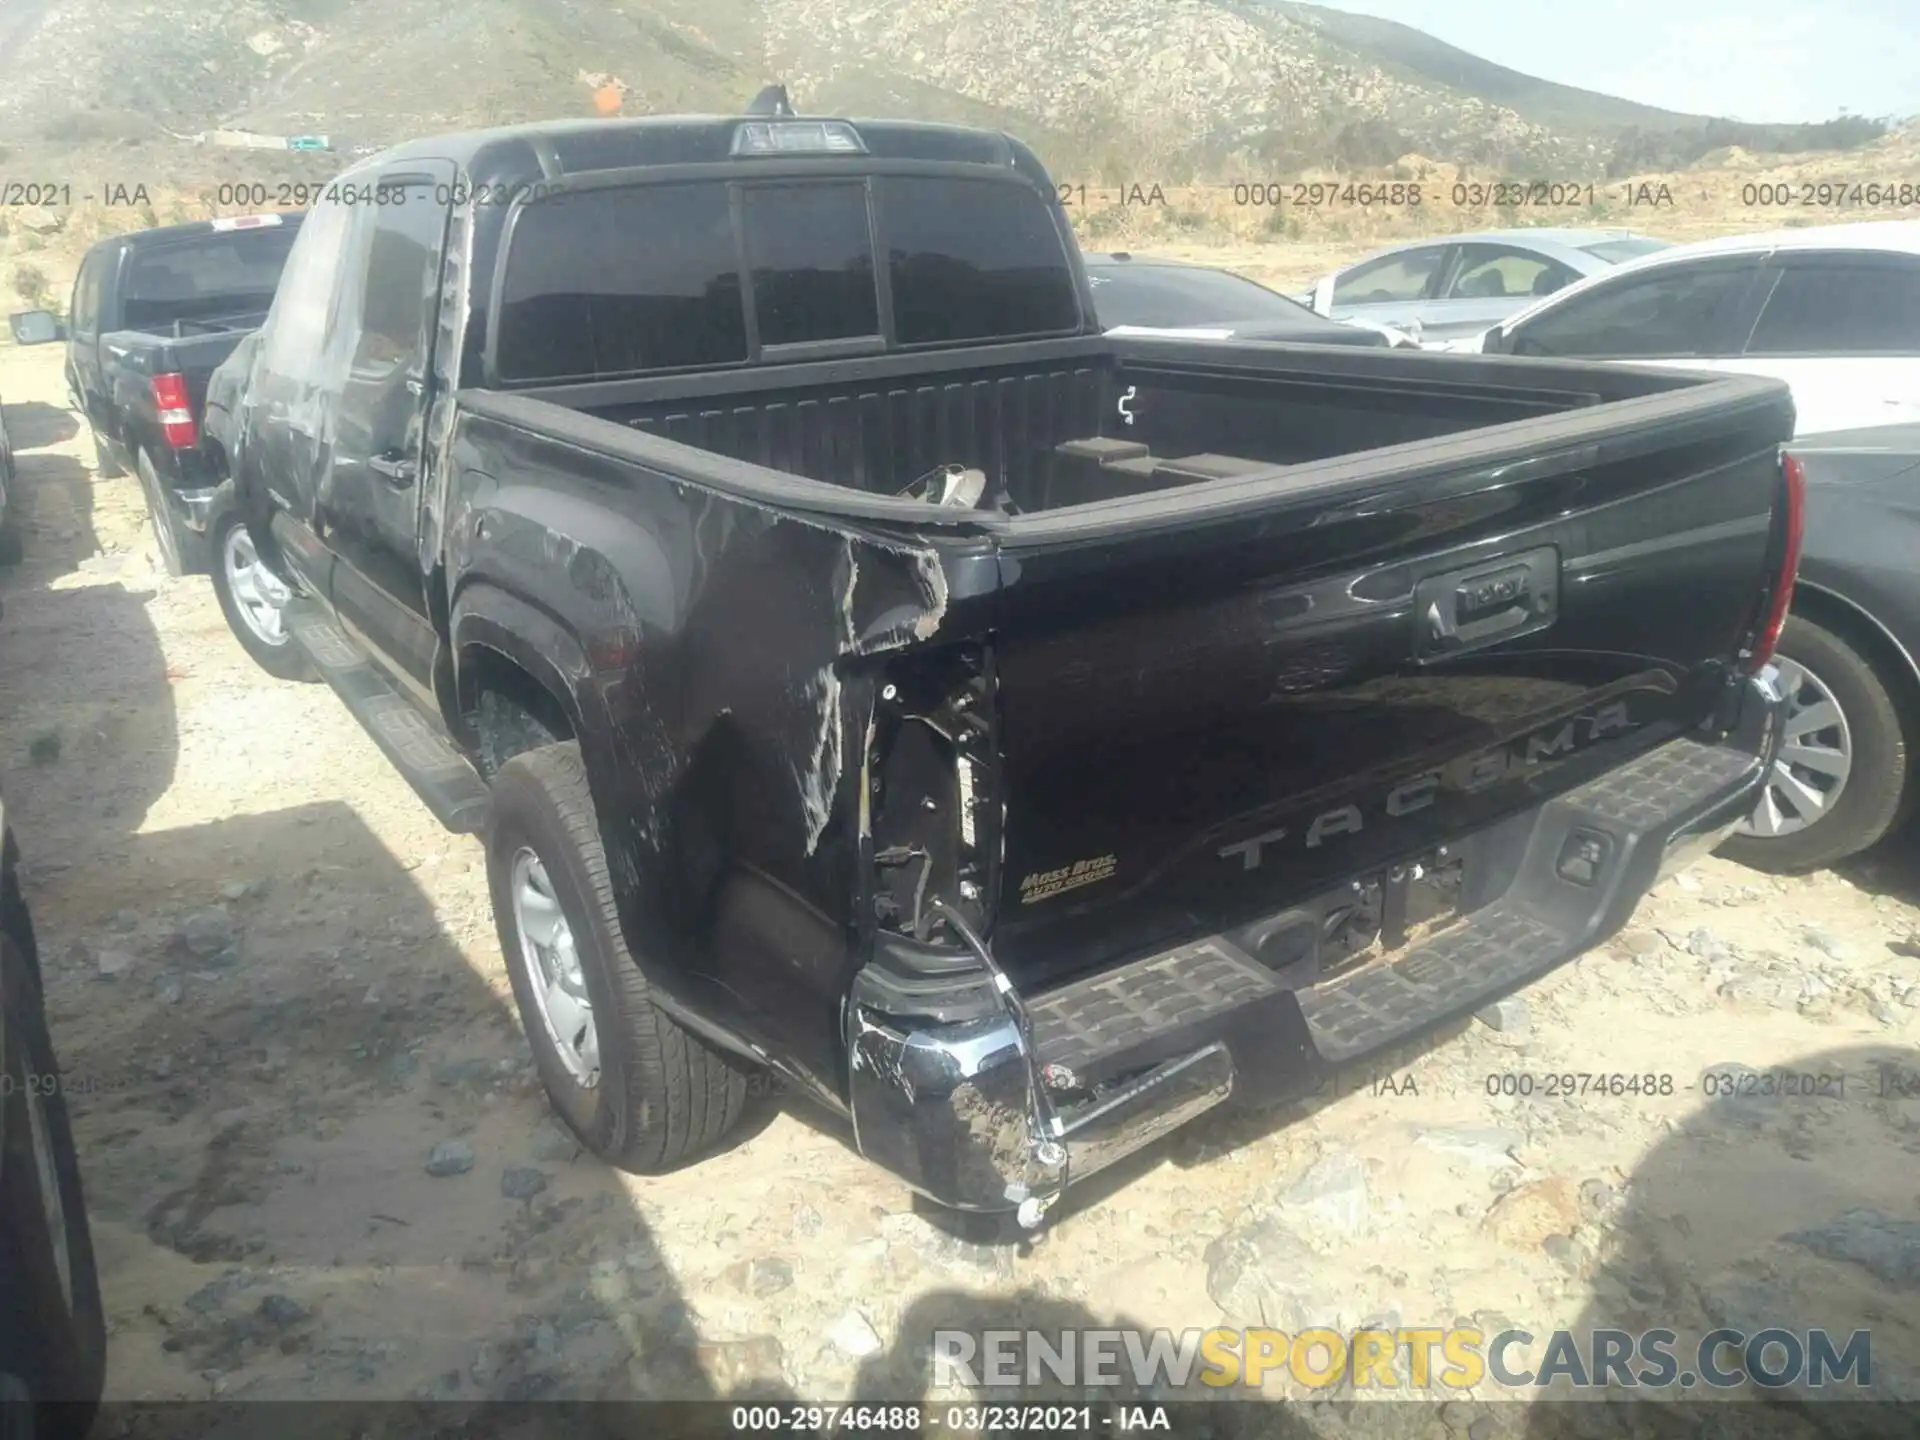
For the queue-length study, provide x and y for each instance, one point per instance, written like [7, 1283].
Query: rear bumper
[188, 479]
[193, 506]
[990, 1114]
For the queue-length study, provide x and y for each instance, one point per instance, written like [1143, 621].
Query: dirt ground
[276, 991]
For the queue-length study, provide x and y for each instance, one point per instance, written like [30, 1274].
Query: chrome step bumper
[998, 1113]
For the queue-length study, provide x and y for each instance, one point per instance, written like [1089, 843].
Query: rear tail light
[176, 415]
[1794, 477]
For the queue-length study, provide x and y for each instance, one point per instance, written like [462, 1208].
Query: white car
[1833, 310]
[1174, 300]
[1449, 287]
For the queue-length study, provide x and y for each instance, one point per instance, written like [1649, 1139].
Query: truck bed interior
[1052, 430]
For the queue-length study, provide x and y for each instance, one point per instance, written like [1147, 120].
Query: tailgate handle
[1464, 609]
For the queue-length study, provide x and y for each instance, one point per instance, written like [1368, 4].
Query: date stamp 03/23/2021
[1729, 1082]
[1878, 198]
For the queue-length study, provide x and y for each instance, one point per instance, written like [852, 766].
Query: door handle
[397, 473]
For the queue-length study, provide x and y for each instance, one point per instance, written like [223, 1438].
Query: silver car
[1456, 285]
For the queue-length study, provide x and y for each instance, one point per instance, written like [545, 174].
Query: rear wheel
[1843, 778]
[639, 1091]
[53, 1340]
[252, 597]
[182, 551]
[103, 462]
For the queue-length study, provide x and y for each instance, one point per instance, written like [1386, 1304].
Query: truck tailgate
[137, 356]
[1205, 720]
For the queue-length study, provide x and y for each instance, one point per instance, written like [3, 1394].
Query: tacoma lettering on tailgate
[1476, 772]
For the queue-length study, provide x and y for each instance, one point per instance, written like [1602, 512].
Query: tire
[13, 547]
[103, 462]
[16, 923]
[228, 545]
[1878, 786]
[55, 1348]
[662, 1096]
[182, 551]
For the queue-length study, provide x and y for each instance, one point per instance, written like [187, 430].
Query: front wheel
[640, 1092]
[252, 597]
[1843, 777]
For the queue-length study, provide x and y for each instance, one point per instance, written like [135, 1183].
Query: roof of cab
[562, 147]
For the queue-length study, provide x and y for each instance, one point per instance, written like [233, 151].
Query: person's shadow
[1790, 1201]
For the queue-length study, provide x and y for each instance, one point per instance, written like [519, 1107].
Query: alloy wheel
[1815, 761]
[553, 972]
[257, 592]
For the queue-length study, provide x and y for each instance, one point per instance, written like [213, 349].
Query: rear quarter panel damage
[708, 650]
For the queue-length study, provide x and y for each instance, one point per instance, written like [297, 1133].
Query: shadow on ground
[54, 503]
[316, 1159]
[262, 1115]
[34, 424]
[1788, 1202]
[1890, 868]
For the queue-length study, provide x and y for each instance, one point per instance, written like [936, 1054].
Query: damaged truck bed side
[1019, 739]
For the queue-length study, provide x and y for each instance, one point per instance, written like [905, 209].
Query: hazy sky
[1748, 59]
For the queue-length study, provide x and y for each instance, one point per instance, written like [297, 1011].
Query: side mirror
[36, 327]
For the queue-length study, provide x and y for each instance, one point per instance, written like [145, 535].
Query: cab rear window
[651, 278]
[204, 277]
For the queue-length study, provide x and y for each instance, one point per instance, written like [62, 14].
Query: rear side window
[1495, 272]
[300, 325]
[972, 260]
[86, 295]
[613, 282]
[1841, 309]
[393, 267]
[1681, 311]
[1392, 279]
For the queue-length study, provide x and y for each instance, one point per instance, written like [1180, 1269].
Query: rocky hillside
[1176, 89]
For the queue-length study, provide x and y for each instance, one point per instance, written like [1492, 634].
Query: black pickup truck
[1018, 738]
[153, 314]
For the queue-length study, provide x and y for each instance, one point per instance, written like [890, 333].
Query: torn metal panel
[821, 779]
[728, 646]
